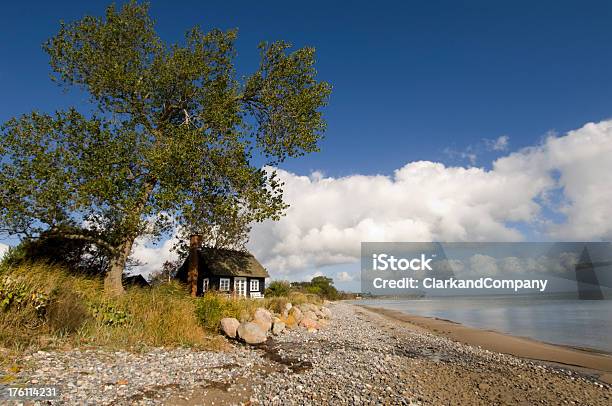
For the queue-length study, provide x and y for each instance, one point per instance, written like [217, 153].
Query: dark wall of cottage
[213, 280]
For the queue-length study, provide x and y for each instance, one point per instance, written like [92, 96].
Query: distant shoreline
[589, 361]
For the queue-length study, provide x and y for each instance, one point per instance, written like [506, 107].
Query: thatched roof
[223, 262]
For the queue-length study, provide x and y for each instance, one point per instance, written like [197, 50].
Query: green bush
[109, 313]
[212, 307]
[278, 288]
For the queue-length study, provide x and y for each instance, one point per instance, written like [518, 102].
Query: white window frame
[224, 284]
[205, 284]
[254, 285]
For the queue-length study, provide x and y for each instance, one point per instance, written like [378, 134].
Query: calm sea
[558, 320]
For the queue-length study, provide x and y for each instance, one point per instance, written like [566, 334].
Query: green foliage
[110, 313]
[168, 141]
[212, 307]
[321, 286]
[77, 255]
[324, 287]
[15, 292]
[278, 288]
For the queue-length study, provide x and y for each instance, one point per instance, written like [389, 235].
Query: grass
[212, 307]
[45, 307]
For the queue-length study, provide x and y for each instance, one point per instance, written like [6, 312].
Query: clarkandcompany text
[452, 283]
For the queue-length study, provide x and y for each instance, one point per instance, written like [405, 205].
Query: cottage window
[205, 285]
[254, 285]
[224, 284]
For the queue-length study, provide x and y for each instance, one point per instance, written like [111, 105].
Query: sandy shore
[588, 362]
[363, 357]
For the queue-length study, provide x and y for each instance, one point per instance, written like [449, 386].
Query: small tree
[165, 275]
[278, 288]
[323, 286]
[169, 141]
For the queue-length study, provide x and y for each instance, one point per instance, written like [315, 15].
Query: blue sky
[411, 79]
[435, 81]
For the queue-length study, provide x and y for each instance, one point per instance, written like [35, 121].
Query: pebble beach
[360, 358]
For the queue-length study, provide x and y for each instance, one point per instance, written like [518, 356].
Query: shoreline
[361, 357]
[588, 361]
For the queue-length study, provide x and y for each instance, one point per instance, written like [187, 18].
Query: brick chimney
[195, 241]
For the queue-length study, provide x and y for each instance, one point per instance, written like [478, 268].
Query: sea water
[555, 319]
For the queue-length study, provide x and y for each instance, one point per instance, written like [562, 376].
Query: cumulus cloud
[581, 166]
[3, 249]
[424, 201]
[152, 256]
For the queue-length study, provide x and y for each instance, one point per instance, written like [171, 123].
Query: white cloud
[581, 167]
[3, 249]
[424, 201]
[344, 277]
[499, 144]
[151, 256]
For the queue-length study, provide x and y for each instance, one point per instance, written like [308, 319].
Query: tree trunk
[113, 280]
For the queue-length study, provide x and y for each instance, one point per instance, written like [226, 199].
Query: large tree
[173, 137]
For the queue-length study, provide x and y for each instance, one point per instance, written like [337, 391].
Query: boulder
[264, 318]
[290, 322]
[297, 314]
[310, 306]
[229, 326]
[288, 306]
[309, 324]
[309, 314]
[326, 312]
[251, 333]
[278, 327]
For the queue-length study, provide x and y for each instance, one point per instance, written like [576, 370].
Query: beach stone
[290, 322]
[264, 318]
[326, 312]
[309, 314]
[297, 314]
[288, 306]
[229, 326]
[309, 323]
[278, 327]
[308, 306]
[252, 333]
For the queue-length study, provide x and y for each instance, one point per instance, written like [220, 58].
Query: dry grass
[45, 307]
[57, 309]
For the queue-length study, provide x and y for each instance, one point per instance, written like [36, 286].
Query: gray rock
[251, 333]
[229, 326]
